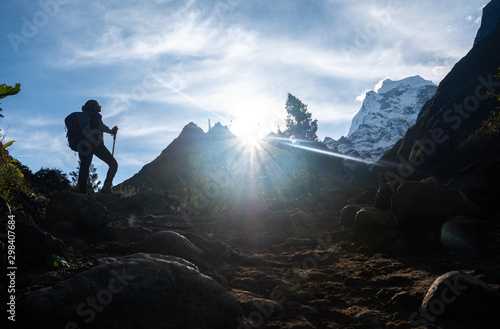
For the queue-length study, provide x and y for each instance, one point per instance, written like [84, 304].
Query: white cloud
[144, 129]
[42, 122]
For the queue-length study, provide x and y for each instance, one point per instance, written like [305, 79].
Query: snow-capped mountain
[385, 116]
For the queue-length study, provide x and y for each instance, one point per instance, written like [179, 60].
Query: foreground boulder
[137, 291]
[459, 298]
[421, 207]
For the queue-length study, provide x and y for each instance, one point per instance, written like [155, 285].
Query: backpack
[76, 122]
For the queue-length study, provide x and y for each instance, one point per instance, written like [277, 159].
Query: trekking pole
[113, 152]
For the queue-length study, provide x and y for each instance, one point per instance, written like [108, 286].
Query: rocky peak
[386, 113]
[191, 131]
[393, 98]
[389, 85]
[220, 131]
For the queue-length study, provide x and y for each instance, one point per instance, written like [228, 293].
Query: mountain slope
[448, 139]
[217, 167]
[384, 117]
[162, 171]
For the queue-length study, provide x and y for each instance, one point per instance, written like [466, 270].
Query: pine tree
[299, 122]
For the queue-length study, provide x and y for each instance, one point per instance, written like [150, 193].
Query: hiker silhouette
[97, 128]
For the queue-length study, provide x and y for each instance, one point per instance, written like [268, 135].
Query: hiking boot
[106, 188]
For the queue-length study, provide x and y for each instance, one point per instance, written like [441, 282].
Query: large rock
[421, 207]
[373, 220]
[348, 215]
[460, 298]
[384, 195]
[170, 243]
[83, 211]
[137, 291]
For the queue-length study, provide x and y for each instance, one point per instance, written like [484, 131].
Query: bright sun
[249, 134]
[250, 141]
[252, 124]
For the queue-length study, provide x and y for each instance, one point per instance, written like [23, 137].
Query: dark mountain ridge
[448, 135]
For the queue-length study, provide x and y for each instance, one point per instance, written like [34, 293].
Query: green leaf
[9, 90]
[56, 261]
[8, 144]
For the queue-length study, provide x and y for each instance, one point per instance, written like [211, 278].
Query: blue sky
[157, 65]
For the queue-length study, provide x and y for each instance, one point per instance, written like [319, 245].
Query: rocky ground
[296, 267]
[317, 274]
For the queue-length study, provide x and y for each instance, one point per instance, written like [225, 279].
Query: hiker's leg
[83, 174]
[103, 153]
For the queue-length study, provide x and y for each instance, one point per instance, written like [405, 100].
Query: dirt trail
[320, 275]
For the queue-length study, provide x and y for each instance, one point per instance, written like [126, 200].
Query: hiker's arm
[105, 129]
